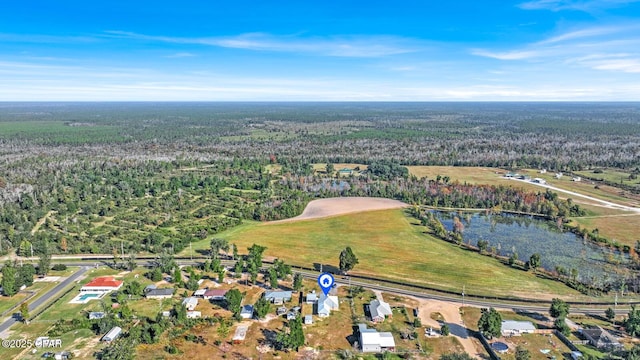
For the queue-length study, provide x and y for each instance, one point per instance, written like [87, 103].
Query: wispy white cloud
[613, 48]
[576, 5]
[180, 55]
[344, 46]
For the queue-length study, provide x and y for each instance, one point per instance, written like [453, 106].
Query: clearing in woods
[391, 245]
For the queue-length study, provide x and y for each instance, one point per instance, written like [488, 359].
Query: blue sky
[372, 50]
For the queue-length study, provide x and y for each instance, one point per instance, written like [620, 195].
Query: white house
[112, 334]
[379, 310]
[373, 341]
[102, 285]
[190, 303]
[517, 328]
[199, 293]
[326, 304]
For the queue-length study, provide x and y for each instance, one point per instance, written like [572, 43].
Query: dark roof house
[601, 339]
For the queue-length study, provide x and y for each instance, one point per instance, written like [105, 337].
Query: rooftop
[106, 281]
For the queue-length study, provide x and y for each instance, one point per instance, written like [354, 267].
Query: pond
[526, 235]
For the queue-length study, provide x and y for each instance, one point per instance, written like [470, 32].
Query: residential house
[326, 304]
[601, 339]
[190, 303]
[199, 293]
[102, 285]
[374, 341]
[247, 312]
[312, 297]
[96, 315]
[165, 293]
[292, 315]
[517, 328]
[379, 310]
[215, 294]
[112, 334]
[278, 297]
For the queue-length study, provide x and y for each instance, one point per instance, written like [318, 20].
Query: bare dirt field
[344, 205]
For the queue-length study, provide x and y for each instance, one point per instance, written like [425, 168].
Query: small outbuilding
[516, 328]
[94, 315]
[247, 312]
[308, 320]
[112, 334]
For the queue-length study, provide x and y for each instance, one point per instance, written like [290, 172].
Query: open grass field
[611, 175]
[625, 229]
[389, 245]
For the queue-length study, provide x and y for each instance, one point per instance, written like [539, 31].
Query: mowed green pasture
[390, 245]
[625, 229]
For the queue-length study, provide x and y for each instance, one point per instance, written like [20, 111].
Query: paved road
[600, 202]
[51, 294]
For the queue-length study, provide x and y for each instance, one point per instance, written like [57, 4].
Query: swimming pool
[84, 297]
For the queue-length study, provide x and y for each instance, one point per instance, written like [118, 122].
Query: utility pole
[462, 295]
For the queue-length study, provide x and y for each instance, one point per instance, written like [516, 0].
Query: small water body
[527, 235]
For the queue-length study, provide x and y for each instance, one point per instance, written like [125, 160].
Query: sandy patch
[344, 205]
[48, 279]
[451, 313]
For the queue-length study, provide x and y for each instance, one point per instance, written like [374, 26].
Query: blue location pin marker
[326, 281]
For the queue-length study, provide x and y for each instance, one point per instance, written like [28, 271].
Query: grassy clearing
[624, 229]
[611, 175]
[390, 245]
[536, 342]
